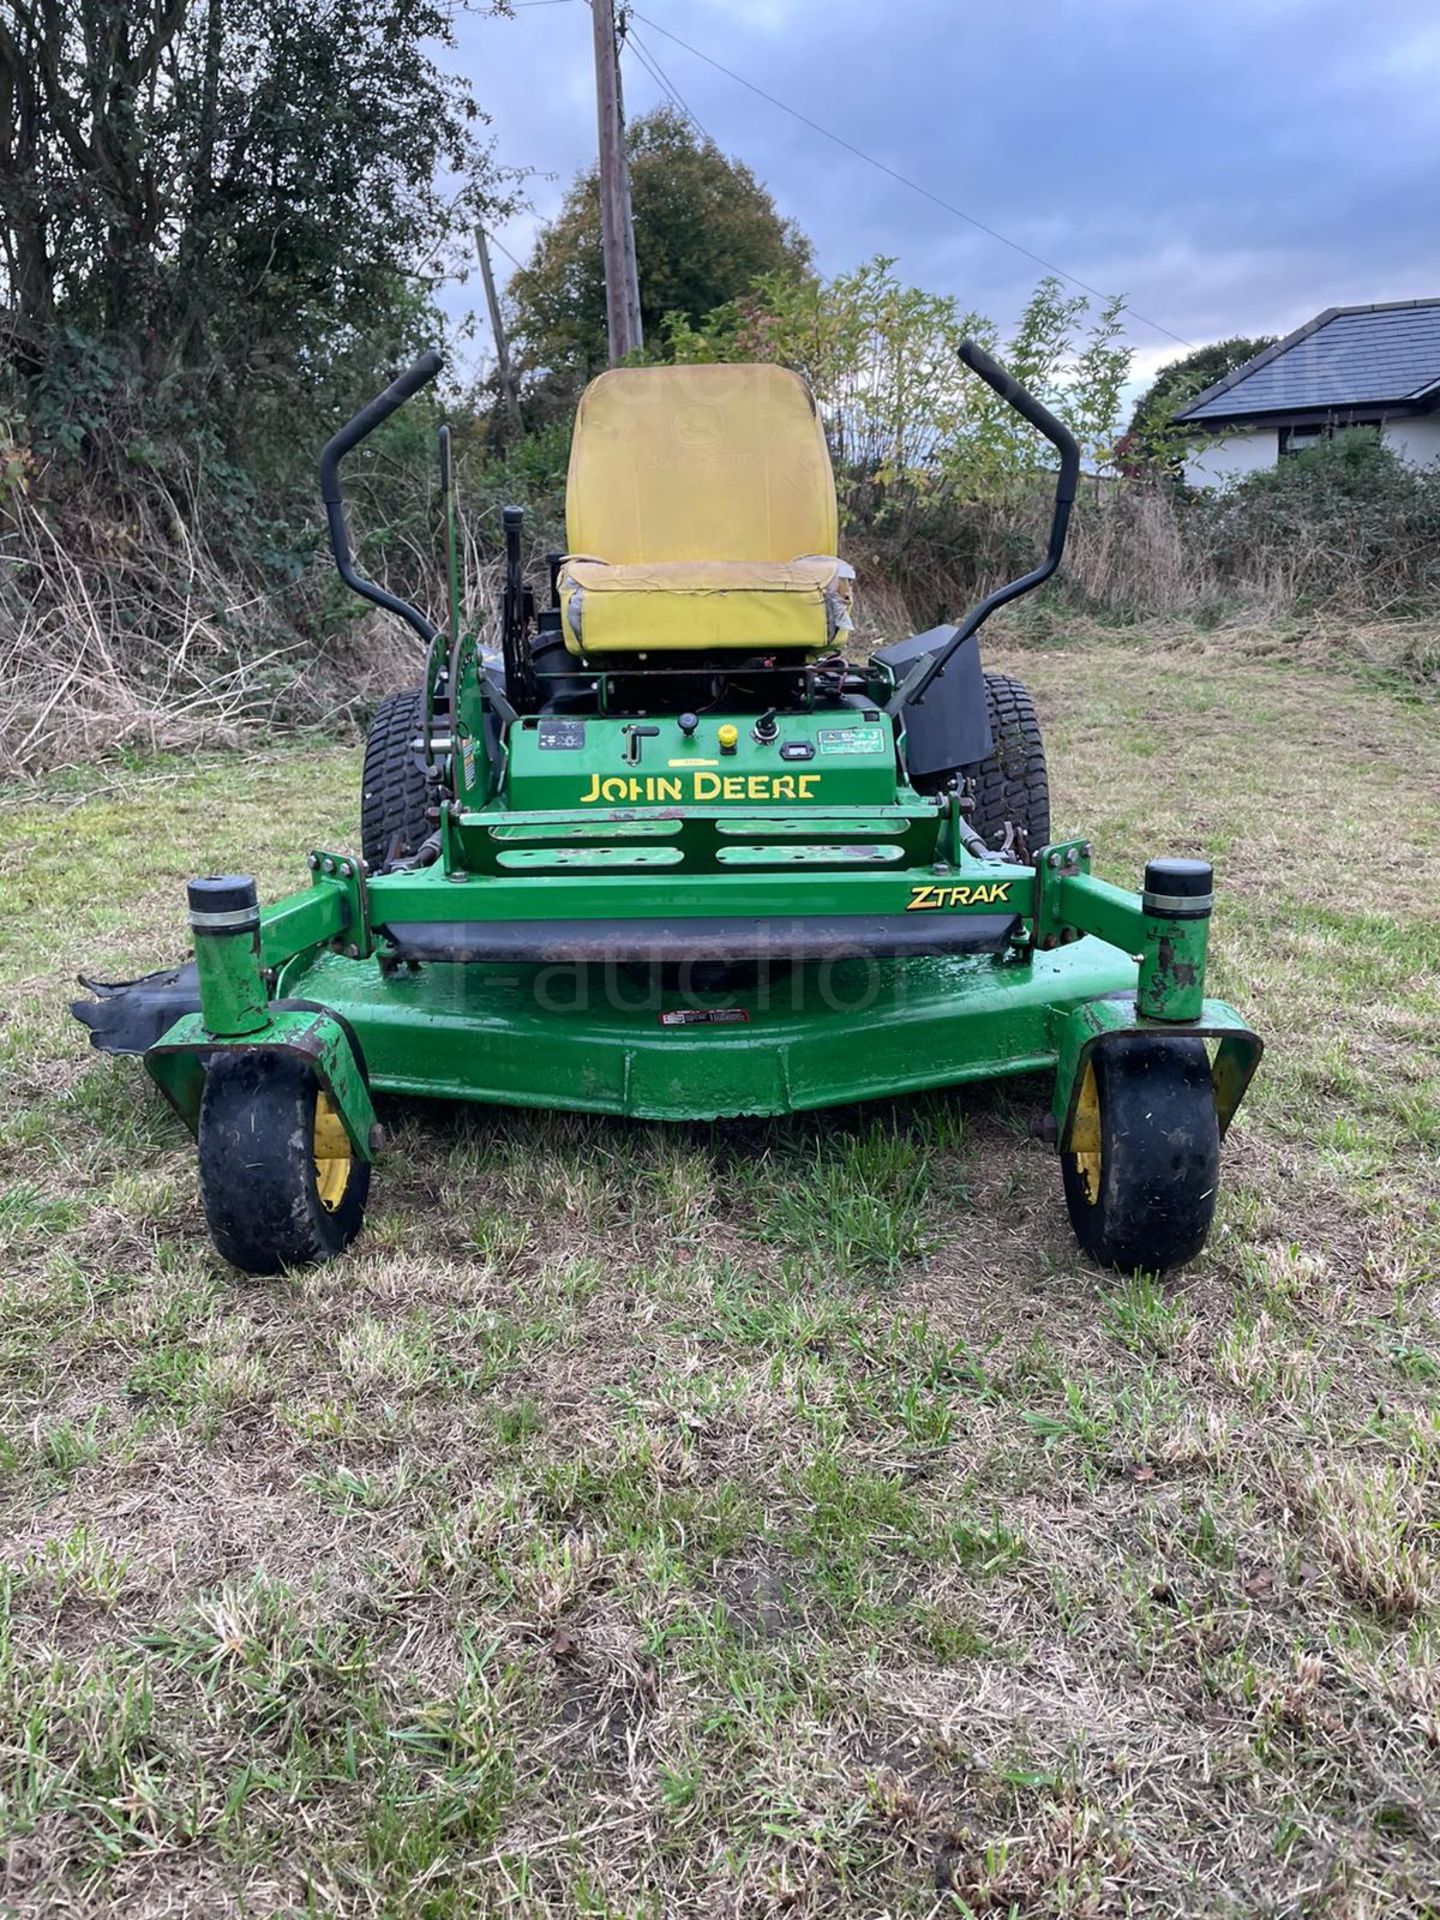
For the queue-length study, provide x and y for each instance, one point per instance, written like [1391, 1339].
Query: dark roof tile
[1346, 357]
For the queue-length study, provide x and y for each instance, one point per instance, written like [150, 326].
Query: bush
[1345, 532]
[1345, 524]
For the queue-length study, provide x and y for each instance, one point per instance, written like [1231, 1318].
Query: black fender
[949, 726]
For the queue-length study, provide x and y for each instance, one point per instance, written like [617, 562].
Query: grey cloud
[1230, 165]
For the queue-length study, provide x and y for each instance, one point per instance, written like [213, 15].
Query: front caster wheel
[1144, 1158]
[280, 1182]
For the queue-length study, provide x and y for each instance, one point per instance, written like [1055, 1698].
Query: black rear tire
[1012, 786]
[278, 1190]
[1141, 1178]
[394, 793]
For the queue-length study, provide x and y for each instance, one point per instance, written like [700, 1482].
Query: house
[1376, 367]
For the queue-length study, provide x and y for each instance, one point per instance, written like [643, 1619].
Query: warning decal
[705, 1017]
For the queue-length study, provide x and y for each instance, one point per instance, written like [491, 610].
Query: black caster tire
[394, 793]
[279, 1181]
[1144, 1166]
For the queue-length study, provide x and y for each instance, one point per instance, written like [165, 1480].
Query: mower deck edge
[600, 1040]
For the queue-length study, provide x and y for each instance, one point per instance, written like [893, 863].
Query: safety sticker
[705, 1017]
[851, 739]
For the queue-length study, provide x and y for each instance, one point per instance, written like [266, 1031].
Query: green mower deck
[599, 1040]
[324, 977]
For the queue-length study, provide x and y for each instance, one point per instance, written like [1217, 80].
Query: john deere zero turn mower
[670, 853]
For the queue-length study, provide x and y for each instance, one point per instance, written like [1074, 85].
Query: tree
[233, 184]
[1150, 435]
[901, 411]
[705, 230]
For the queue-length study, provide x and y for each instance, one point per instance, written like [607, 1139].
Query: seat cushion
[699, 462]
[736, 606]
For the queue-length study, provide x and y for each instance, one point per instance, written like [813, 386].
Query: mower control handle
[1029, 408]
[912, 691]
[335, 450]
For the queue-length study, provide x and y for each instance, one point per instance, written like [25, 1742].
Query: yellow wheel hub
[1085, 1145]
[332, 1153]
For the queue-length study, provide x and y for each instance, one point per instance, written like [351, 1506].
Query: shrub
[1345, 524]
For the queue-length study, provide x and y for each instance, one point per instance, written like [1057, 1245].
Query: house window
[1297, 439]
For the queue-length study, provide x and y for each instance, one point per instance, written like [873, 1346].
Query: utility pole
[509, 399]
[622, 294]
[632, 273]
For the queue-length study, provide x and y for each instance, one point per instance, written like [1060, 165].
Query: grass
[754, 1520]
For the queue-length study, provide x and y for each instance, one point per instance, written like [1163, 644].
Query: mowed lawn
[752, 1519]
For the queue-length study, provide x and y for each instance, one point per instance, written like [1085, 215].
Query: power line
[631, 44]
[658, 74]
[904, 180]
[490, 233]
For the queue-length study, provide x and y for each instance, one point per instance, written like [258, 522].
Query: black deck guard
[129, 1016]
[811, 937]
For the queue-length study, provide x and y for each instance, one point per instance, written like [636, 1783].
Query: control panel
[841, 758]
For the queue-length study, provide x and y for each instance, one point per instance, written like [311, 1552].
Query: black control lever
[912, 690]
[335, 449]
[633, 736]
[517, 607]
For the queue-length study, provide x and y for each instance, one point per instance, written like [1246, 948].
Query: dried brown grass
[131, 634]
[1140, 552]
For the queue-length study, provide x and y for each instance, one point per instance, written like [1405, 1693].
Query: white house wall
[1416, 440]
[1217, 462]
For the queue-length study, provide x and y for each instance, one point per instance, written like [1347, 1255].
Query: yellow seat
[700, 515]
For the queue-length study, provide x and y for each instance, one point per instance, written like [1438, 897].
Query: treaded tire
[1149, 1204]
[394, 793]
[1012, 785]
[259, 1182]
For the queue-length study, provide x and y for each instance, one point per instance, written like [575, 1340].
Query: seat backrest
[699, 463]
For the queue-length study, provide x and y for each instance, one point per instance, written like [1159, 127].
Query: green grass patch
[759, 1518]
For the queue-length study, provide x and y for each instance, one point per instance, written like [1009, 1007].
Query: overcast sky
[1231, 166]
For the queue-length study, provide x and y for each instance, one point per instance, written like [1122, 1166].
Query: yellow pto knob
[728, 737]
